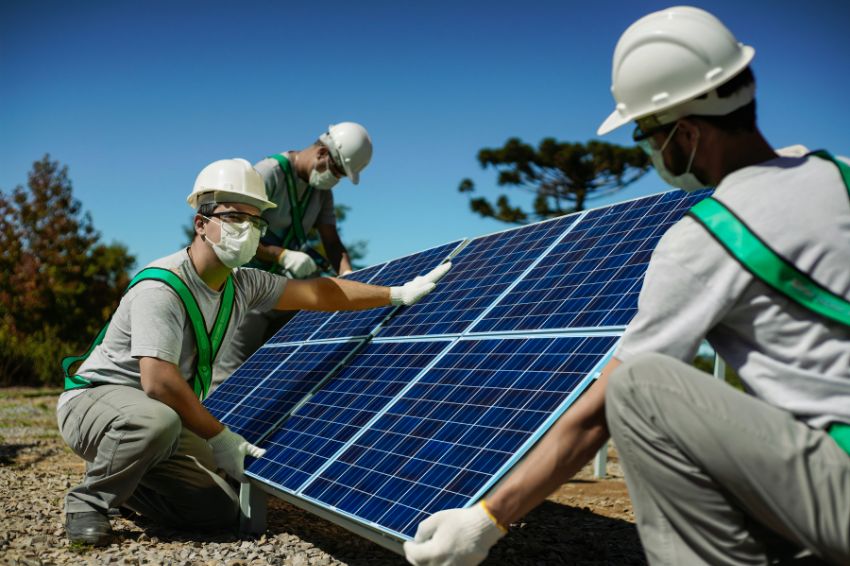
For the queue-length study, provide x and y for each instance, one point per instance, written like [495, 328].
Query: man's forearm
[337, 255]
[268, 253]
[166, 385]
[344, 264]
[332, 294]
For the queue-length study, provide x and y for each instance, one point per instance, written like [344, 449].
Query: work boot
[89, 527]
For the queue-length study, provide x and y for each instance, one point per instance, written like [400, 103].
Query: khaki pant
[139, 455]
[719, 477]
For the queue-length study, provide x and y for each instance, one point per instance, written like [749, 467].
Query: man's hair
[204, 210]
[744, 118]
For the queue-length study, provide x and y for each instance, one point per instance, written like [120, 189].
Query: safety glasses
[647, 143]
[644, 133]
[233, 217]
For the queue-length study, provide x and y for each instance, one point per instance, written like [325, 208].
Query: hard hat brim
[222, 197]
[612, 122]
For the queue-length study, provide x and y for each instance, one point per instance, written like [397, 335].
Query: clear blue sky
[136, 97]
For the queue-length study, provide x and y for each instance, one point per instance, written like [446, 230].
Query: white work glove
[299, 264]
[455, 537]
[229, 450]
[418, 287]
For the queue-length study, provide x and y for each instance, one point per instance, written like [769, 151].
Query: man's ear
[200, 225]
[690, 131]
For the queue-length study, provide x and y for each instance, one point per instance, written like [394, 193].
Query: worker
[716, 475]
[133, 409]
[299, 183]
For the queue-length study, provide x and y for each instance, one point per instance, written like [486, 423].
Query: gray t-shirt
[151, 321]
[320, 208]
[784, 354]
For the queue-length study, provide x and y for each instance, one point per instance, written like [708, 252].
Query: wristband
[281, 254]
[493, 518]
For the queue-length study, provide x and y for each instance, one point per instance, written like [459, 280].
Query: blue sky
[136, 97]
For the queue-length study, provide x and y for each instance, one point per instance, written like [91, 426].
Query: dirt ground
[588, 521]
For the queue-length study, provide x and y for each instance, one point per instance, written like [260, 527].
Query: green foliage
[706, 364]
[560, 175]
[58, 283]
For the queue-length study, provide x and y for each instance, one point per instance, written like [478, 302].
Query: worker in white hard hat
[133, 408]
[300, 183]
[760, 269]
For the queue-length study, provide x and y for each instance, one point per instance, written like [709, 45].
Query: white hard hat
[229, 180]
[670, 57]
[350, 147]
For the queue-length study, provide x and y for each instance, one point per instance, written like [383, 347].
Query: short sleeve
[262, 289]
[684, 295]
[157, 318]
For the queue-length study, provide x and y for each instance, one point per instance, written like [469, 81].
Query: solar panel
[377, 419]
[592, 277]
[242, 382]
[396, 272]
[480, 272]
[322, 426]
[304, 324]
[289, 376]
[452, 435]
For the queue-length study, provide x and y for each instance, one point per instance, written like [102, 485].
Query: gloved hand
[299, 264]
[455, 537]
[418, 287]
[229, 450]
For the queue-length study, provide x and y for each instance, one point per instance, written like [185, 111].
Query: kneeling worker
[716, 475]
[133, 409]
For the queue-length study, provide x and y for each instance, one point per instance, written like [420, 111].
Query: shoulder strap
[208, 345]
[767, 265]
[298, 208]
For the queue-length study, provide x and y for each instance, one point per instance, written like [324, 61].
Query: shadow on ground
[9, 452]
[551, 534]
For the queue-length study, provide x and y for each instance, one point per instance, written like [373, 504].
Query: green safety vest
[756, 256]
[208, 344]
[298, 207]
[297, 210]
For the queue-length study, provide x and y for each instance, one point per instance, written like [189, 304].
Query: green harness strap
[298, 207]
[765, 264]
[208, 344]
[775, 271]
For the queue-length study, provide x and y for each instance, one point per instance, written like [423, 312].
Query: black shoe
[89, 527]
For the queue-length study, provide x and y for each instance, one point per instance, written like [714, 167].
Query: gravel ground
[588, 521]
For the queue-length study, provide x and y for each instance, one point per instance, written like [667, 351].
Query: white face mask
[237, 244]
[687, 181]
[324, 181]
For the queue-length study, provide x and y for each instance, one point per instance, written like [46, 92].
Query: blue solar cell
[396, 272]
[480, 273]
[288, 379]
[593, 276]
[457, 429]
[304, 324]
[242, 382]
[340, 409]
